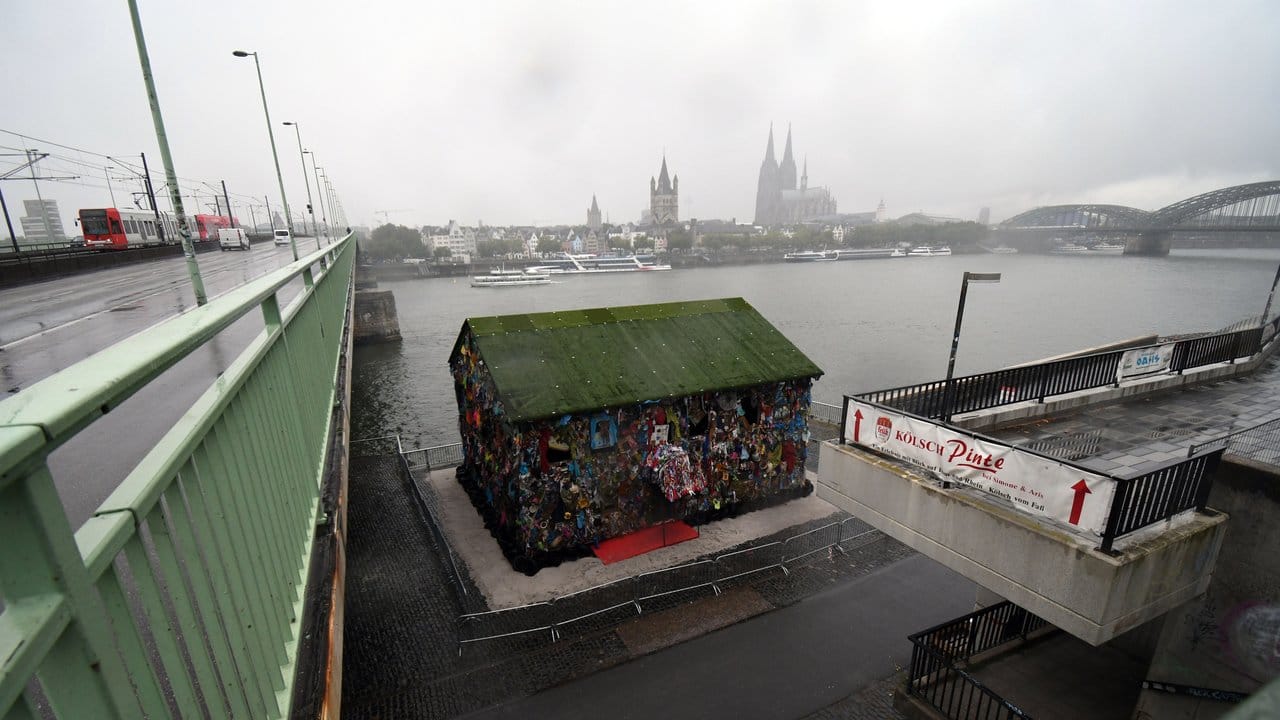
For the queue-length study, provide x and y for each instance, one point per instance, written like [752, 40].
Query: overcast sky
[517, 112]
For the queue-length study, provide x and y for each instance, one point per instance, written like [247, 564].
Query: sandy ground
[504, 587]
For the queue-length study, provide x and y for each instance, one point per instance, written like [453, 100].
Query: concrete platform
[504, 587]
[1045, 567]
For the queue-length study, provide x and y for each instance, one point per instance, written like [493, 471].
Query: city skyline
[931, 107]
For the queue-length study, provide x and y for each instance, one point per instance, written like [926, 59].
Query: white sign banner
[1033, 483]
[1141, 362]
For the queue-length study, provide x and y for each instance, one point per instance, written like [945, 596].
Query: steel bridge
[203, 586]
[1254, 207]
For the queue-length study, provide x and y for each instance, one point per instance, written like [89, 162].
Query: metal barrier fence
[984, 391]
[1137, 503]
[934, 677]
[630, 593]
[823, 412]
[182, 595]
[1160, 494]
[1260, 442]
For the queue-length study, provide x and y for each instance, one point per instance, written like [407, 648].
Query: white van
[233, 238]
[282, 237]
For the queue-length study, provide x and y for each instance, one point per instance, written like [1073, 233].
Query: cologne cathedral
[778, 200]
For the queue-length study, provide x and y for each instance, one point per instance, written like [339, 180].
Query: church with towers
[664, 197]
[778, 199]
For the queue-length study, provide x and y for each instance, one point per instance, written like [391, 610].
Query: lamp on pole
[288, 218]
[310, 208]
[327, 199]
[171, 177]
[955, 336]
[316, 168]
[106, 172]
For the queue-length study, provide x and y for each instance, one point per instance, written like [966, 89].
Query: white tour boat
[1108, 248]
[809, 256]
[1069, 249]
[510, 278]
[568, 264]
[927, 251]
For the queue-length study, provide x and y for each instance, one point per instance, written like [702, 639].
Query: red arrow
[857, 424]
[1078, 503]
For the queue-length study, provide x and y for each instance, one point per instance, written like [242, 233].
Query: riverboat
[1108, 248]
[928, 251]
[1001, 250]
[809, 256]
[510, 278]
[867, 253]
[1069, 249]
[569, 264]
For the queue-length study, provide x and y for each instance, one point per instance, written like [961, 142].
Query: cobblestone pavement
[402, 657]
[1136, 436]
[875, 702]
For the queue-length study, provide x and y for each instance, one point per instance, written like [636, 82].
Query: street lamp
[323, 215]
[288, 218]
[310, 208]
[106, 172]
[955, 336]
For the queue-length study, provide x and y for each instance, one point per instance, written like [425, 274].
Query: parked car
[233, 239]
[282, 237]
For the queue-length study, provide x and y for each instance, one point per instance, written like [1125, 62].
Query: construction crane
[387, 213]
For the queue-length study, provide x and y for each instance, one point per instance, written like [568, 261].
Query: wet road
[48, 326]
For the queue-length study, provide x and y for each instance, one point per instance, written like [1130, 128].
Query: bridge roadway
[48, 326]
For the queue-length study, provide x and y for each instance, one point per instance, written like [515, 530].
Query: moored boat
[929, 251]
[1108, 248]
[866, 253]
[568, 264]
[1069, 249]
[510, 278]
[809, 256]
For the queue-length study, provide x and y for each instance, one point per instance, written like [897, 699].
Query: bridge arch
[1079, 217]
[1244, 206]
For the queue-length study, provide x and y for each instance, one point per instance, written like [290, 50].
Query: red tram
[115, 229]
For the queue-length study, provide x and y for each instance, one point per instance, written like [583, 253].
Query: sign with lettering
[1032, 483]
[1141, 362]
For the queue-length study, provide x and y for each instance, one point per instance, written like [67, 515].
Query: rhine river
[869, 324]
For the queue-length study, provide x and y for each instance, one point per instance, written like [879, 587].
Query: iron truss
[1252, 206]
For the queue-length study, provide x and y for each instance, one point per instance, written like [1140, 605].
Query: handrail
[1269, 431]
[190, 575]
[997, 388]
[936, 651]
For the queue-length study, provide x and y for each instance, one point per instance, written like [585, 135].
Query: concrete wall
[1228, 639]
[1053, 572]
[375, 317]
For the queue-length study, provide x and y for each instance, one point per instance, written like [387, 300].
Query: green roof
[556, 363]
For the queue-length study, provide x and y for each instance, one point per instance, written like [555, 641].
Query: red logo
[883, 427]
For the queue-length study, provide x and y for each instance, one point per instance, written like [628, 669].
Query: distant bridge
[1243, 208]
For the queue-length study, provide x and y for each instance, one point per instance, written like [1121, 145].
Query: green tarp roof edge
[557, 363]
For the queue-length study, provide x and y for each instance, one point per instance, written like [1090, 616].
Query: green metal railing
[181, 595]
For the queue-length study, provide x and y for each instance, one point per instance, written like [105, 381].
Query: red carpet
[642, 541]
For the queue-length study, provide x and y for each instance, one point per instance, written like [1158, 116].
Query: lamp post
[327, 198]
[288, 219]
[106, 172]
[316, 168]
[310, 208]
[171, 177]
[955, 336]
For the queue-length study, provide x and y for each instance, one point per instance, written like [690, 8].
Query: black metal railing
[1160, 494]
[935, 653]
[984, 391]
[1212, 349]
[1260, 442]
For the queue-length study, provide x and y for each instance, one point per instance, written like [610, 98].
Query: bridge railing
[182, 595]
[983, 391]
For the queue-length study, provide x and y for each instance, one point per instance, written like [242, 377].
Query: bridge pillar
[1150, 242]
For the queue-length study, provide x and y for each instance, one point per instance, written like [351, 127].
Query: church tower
[787, 170]
[768, 192]
[664, 197]
[593, 215]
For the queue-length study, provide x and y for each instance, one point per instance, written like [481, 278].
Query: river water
[869, 324]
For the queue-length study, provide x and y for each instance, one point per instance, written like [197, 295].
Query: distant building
[778, 200]
[664, 198]
[593, 216]
[42, 222]
[460, 241]
[984, 216]
[921, 218]
[881, 214]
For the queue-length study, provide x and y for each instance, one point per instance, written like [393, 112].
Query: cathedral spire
[787, 170]
[768, 151]
[804, 176]
[664, 180]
